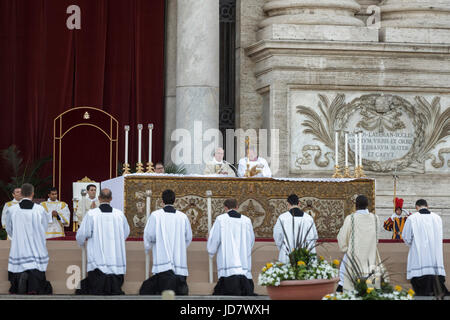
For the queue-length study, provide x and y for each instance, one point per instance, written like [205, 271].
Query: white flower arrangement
[273, 273]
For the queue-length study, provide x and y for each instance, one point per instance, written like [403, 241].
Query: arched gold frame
[58, 135]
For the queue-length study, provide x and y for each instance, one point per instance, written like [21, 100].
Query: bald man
[219, 166]
[105, 230]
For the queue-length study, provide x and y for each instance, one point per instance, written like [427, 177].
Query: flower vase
[302, 289]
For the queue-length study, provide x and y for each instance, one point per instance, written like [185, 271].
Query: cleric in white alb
[28, 257]
[423, 235]
[232, 239]
[297, 225]
[105, 229]
[59, 214]
[17, 195]
[167, 233]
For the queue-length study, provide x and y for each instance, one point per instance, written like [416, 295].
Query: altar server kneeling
[168, 234]
[105, 229]
[232, 239]
[425, 267]
[294, 225]
[27, 223]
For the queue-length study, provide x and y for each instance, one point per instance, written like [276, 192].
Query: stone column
[197, 101]
[170, 78]
[417, 21]
[314, 20]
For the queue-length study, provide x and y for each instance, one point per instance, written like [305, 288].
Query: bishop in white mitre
[17, 195]
[231, 239]
[27, 223]
[425, 267]
[105, 230]
[292, 225]
[167, 234]
[59, 215]
[258, 166]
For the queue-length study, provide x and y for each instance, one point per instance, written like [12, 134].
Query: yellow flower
[368, 281]
[398, 288]
[336, 262]
[269, 265]
[264, 269]
[327, 296]
[411, 292]
[301, 263]
[359, 280]
[334, 298]
[321, 258]
[369, 290]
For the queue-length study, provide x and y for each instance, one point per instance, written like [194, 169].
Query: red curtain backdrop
[115, 62]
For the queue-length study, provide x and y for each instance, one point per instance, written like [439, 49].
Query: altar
[328, 201]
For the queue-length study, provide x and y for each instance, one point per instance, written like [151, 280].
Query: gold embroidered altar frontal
[328, 201]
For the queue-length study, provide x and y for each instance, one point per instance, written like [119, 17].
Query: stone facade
[322, 54]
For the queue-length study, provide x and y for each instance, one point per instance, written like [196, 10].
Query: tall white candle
[150, 129]
[127, 128]
[360, 149]
[346, 149]
[336, 151]
[356, 150]
[140, 127]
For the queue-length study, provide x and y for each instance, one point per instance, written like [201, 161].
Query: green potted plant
[305, 277]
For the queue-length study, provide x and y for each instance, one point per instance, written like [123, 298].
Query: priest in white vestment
[258, 166]
[105, 229]
[358, 239]
[167, 234]
[294, 221]
[59, 214]
[423, 235]
[218, 165]
[17, 196]
[27, 223]
[231, 239]
[87, 203]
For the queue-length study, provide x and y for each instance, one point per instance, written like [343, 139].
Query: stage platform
[67, 253]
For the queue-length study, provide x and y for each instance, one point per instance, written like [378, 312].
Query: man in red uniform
[397, 221]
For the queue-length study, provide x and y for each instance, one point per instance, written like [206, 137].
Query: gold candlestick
[361, 172]
[346, 172]
[150, 168]
[337, 172]
[139, 167]
[126, 169]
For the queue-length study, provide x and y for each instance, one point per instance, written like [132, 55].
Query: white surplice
[5, 210]
[84, 205]
[56, 226]
[168, 234]
[105, 233]
[27, 228]
[232, 239]
[423, 235]
[266, 172]
[303, 224]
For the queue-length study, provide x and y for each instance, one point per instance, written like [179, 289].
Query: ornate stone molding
[404, 133]
[314, 20]
[311, 12]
